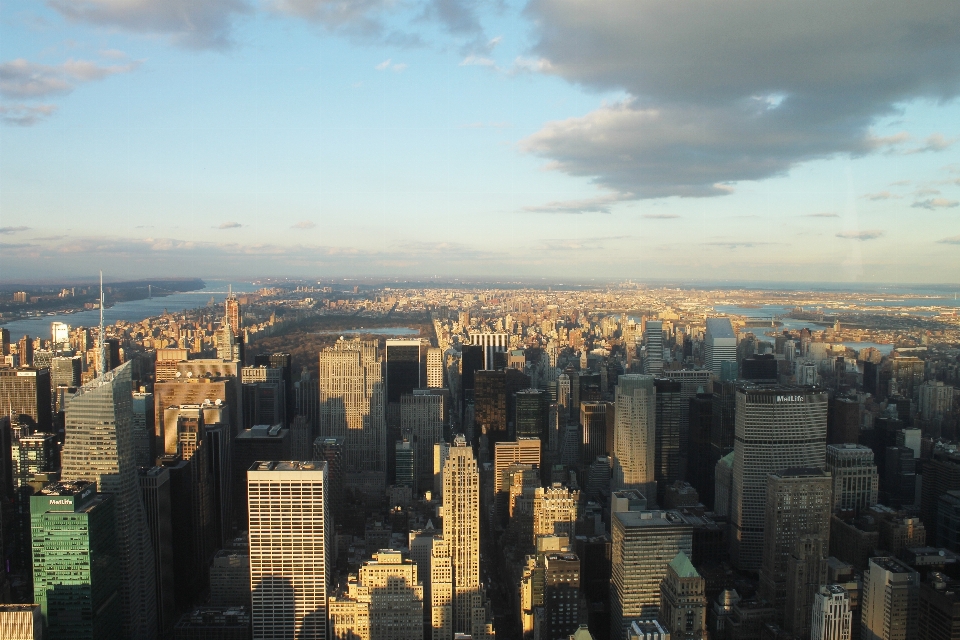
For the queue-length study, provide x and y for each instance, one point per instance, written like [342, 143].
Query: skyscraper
[777, 427]
[461, 530]
[832, 618]
[402, 368]
[798, 505]
[854, 473]
[644, 543]
[653, 336]
[683, 605]
[532, 414]
[76, 571]
[435, 368]
[597, 421]
[669, 408]
[719, 344]
[421, 420]
[290, 549]
[352, 402]
[98, 447]
[25, 393]
[890, 599]
[634, 436]
[492, 343]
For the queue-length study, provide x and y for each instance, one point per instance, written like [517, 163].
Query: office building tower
[264, 395]
[25, 351]
[98, 447]
[330, 450]
[25, 394]
[234, 314]
[520, 451]
[76, 568]
[421, 420]
[700, 464]
[492, 343]
[32, 456]
[21, 622]
[777, 427]
[402, 368]
[667, 433]
[798, 505]
[59, 336]
[248, 447]
[283, 362]
[938, 615]
[461, 530]
[634, 450]
[230, 579]
[564, 393]
[228, 344]
[899, 480]
[936, 401]
[200, 380]
[406, 465]
[890, 600]
[291, 535]
[532, 414]
[65, 371]
[832, 618]
[143, 428]
[301, 444]
[471, 361]
[352, 402]
[555, 511]
[723, 486]
[760, 368]
[719, 344]
[561, 597]
[384, 601]
[653, 337]
[214, 622]
[441, 590]
[843, 421]
[940, 475]
[855, 479]
[692, 382]
[307, 401]
[157, 503]
[644, 543]
[495, 402]
[683, 603]
[597, 421]
[435, 368]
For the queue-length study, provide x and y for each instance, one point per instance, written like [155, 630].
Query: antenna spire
[102, 365]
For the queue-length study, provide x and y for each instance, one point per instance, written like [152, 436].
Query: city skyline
[538, 139]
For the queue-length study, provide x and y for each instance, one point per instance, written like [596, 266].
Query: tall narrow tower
[98, 447]
[461, 530]
[634, 435]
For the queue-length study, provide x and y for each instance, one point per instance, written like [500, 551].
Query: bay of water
[131, 311]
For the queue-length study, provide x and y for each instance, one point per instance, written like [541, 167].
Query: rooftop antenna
[101, 366]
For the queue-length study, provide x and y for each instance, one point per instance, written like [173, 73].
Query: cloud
[196, 24]
[739, 244]
[934, 142]
[600, 204]
[881, 195]
[733, 91]
[26, 115]
[870, 234]
[660, 216]
[389, 64]
[5, 231]
[935, 203]
[950, 240]
[304, 224]
[477, 61]
[29, 80]
[230, 225]
[578, 244]
[823, 214]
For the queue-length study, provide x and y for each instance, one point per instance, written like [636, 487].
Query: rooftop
[683, 567]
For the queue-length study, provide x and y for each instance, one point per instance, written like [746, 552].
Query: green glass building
[76, 575]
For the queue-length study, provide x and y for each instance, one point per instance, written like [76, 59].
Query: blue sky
[697, 140]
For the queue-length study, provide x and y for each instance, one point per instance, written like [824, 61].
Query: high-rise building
[98, 447]
[683, 603]
[798, 505]
[25, 393]
[492, 343]
[495, 401]
[291, 536]
[669, 408]
[66, 371]
[421, 420]
[155, 491]
[352, 402]
[936, 401]
[940, 475]
[561, 596]
[435, 368]
[597, 421]
[890, 600]
[384, 601]
[59, 336]
[461, 531]
[777, 427]
[832, 618]
[406, 465]
[555, 511]
[644, 543]
[692, 382]
[634, 451]
[719, 344]
[21, 622]
[264, 395]
[234, 314]
[402, 368]
[143, 428]
[854, 473]
[653, 336]
[532, 414]
[939, 611]
[700, 463]
[330, 450]
[76, 569]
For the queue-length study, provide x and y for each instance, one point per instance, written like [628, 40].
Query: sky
[690, 139]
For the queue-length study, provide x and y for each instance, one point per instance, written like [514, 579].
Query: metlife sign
[790, 398]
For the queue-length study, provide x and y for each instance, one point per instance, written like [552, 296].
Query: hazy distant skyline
[702, 140]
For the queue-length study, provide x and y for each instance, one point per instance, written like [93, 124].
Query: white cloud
[935, 203]
[24, 115]
[23, 79]
[229, 225]
[599, 204]
[870, 234]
